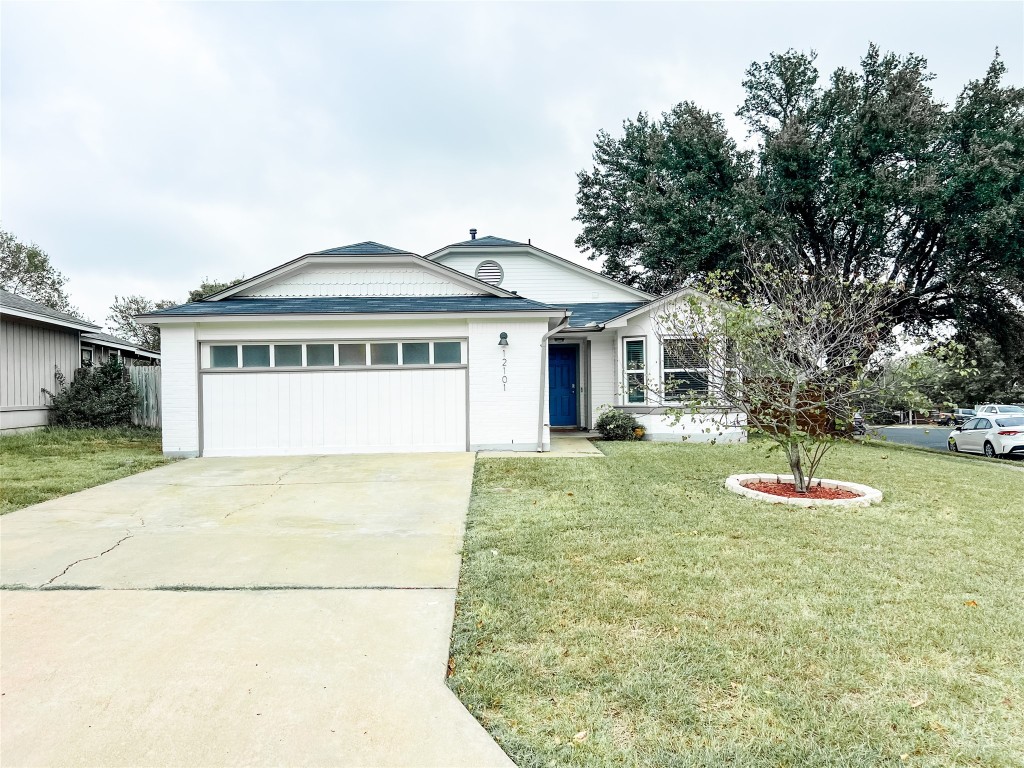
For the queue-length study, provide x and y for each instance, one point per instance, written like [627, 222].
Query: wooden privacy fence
[146, 379]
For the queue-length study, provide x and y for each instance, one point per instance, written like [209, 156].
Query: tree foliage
[101, 396]
[867, 177]
[26, 270]
[121, 320]
[209, 287]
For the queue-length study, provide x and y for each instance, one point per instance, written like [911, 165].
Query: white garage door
[335, 411]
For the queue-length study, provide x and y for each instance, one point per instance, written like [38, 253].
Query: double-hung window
[685, 369]
[635, 358]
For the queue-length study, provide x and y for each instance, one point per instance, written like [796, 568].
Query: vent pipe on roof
[472, 234]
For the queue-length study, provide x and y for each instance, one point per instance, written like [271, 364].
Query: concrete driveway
[285, 611]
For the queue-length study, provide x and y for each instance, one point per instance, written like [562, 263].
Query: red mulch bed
[787, 490]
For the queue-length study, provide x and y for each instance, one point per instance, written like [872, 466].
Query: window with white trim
[684, 369]
[334, 354]
[634, 357]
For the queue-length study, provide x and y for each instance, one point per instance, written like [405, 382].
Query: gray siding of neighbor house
[29, 353]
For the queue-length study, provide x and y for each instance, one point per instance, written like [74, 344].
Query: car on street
[955, 417]
[992, 435]
[1000, 410]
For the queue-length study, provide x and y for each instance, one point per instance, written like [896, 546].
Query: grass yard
[41, 465]
[630, 611]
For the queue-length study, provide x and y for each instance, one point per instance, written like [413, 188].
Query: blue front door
[562, 370]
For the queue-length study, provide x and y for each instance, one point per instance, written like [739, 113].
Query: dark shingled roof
[352, 305]
[369, 248]
[19, 303]
[599, 312]
[488, 240]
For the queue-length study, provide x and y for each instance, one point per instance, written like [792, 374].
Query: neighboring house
[34, 342]
[483, 344]
[97, 348]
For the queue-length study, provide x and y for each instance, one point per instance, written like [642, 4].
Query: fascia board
[369, 316]
[78, 326]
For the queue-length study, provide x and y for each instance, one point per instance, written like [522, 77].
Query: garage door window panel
[287, 355]
[224, 356]
[384, 354]
[415, 353]
[351, 354]
[447, 353]
[256, 356]
[319, 355]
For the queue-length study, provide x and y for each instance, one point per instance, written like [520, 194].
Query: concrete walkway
[285, 611]
[564, 445]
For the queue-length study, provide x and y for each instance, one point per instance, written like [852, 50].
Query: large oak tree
[867, 176]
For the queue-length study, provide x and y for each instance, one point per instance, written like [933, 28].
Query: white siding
[179, 390]
[317, 412]
[540, 278]
[603, 378]
[358, 280]
[505, 416]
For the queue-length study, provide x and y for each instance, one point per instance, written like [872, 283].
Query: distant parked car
[957, 417]
[1001, 410]
[991, 435]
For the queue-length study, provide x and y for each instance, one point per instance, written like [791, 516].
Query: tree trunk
[796, 467]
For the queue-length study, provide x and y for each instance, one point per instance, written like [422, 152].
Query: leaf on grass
[580, 737]
[971, 603]
[451, 666]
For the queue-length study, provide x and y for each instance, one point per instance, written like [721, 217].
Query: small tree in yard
[792, 358]
[97, 397]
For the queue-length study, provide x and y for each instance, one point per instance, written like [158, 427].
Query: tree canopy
[868, 176]
[121, 320]
[26, 270]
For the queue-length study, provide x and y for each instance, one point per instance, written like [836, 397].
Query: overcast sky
[146, 146]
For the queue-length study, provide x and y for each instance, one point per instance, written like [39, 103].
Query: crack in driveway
[119, 542]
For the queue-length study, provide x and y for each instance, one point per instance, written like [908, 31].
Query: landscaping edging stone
[867, 495]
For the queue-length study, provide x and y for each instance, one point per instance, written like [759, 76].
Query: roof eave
[75, 325]
[293, 316]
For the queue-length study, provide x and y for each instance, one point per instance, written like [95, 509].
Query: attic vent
[490, 272]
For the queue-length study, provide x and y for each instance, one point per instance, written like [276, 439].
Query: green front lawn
[630, 611]
[36, 466]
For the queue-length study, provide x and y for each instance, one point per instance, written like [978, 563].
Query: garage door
[333, 411]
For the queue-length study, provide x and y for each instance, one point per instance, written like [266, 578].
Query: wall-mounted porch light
[503, 339]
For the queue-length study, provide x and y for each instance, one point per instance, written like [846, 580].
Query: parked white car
[992, 435]
[1000, 410]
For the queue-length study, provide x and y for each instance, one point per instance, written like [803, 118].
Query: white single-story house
[486, 344]
[35, 341]
[98, 348]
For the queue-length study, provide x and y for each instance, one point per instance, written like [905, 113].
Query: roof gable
[361, 269]
[536, 273]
